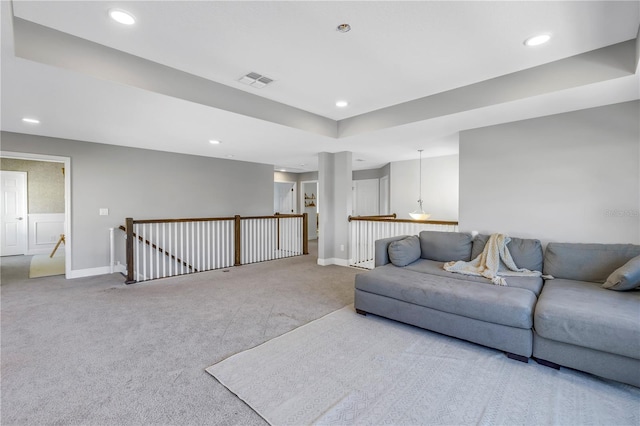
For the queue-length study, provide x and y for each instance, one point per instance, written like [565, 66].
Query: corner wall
[145, 184]
[572, 177]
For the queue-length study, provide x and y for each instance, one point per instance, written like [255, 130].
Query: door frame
[67, 196]
[24, 234]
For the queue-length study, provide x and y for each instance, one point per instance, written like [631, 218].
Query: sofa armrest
[381, 249]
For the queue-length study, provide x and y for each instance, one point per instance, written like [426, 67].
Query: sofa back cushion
[526, 253]
[445, 246]
[586, 262]
[405, 251]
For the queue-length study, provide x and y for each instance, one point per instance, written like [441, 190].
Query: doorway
[284, 197]
[44, 230]
[366, 196]
[309, 205]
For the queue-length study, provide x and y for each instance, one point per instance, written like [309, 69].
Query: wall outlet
[104, 212]
[341, 247]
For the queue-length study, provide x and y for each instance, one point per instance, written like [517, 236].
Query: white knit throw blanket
[493, 263]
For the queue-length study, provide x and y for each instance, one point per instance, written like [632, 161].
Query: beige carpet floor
[347, 369]
[44, 266]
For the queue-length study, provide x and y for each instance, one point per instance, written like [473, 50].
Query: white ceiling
[396, 53]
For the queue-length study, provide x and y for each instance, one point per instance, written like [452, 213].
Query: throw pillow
[626, 277]
[405, 251]
[445, 246]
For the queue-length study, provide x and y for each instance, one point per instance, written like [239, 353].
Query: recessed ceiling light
[214, 142]
[31, 120]
[342, 104]
[537, 40]
[343, 28]
[283, 170]
[122, 16]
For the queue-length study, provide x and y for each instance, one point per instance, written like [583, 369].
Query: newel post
[305, 231]
[236, 234]
[129, 243]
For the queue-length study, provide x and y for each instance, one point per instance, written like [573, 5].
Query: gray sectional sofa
[570, 320]
[580, 324]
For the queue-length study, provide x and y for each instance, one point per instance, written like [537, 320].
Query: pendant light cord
[420, 181]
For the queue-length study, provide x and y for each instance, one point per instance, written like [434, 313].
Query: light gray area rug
[346, 368]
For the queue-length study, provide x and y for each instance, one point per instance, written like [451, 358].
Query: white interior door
[13, 240]
[365, 197]
[284, 197]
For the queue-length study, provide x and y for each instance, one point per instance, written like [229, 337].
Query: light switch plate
[104, 212]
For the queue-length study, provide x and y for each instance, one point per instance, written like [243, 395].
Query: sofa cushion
[586, 262]
[526, 253]
[426, 266]
[626, 277]
[495, 304]
[445, 246]
[404, 251]
[585, 314]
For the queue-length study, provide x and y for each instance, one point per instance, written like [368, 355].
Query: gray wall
[145, 184]
[335, 201]
[572, 177]
[439, 187]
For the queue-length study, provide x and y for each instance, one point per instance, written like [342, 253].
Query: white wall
[439, 187]
[571, 177]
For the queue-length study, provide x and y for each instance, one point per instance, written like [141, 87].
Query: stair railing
[158, 248]
[365, 230]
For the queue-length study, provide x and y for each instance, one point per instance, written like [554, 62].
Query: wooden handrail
[387, 219]
[197, 219]
[211, 219]
[275, 216]
[373, 217]
[160, 249]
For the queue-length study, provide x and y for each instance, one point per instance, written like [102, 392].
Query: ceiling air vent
[256, 80]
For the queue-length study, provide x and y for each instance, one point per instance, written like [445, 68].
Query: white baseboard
[333, 261]
[101, 270]
[89, 272]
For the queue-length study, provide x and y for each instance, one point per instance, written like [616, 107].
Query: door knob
[19, 218]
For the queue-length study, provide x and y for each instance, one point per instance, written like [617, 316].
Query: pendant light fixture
[420, 214]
